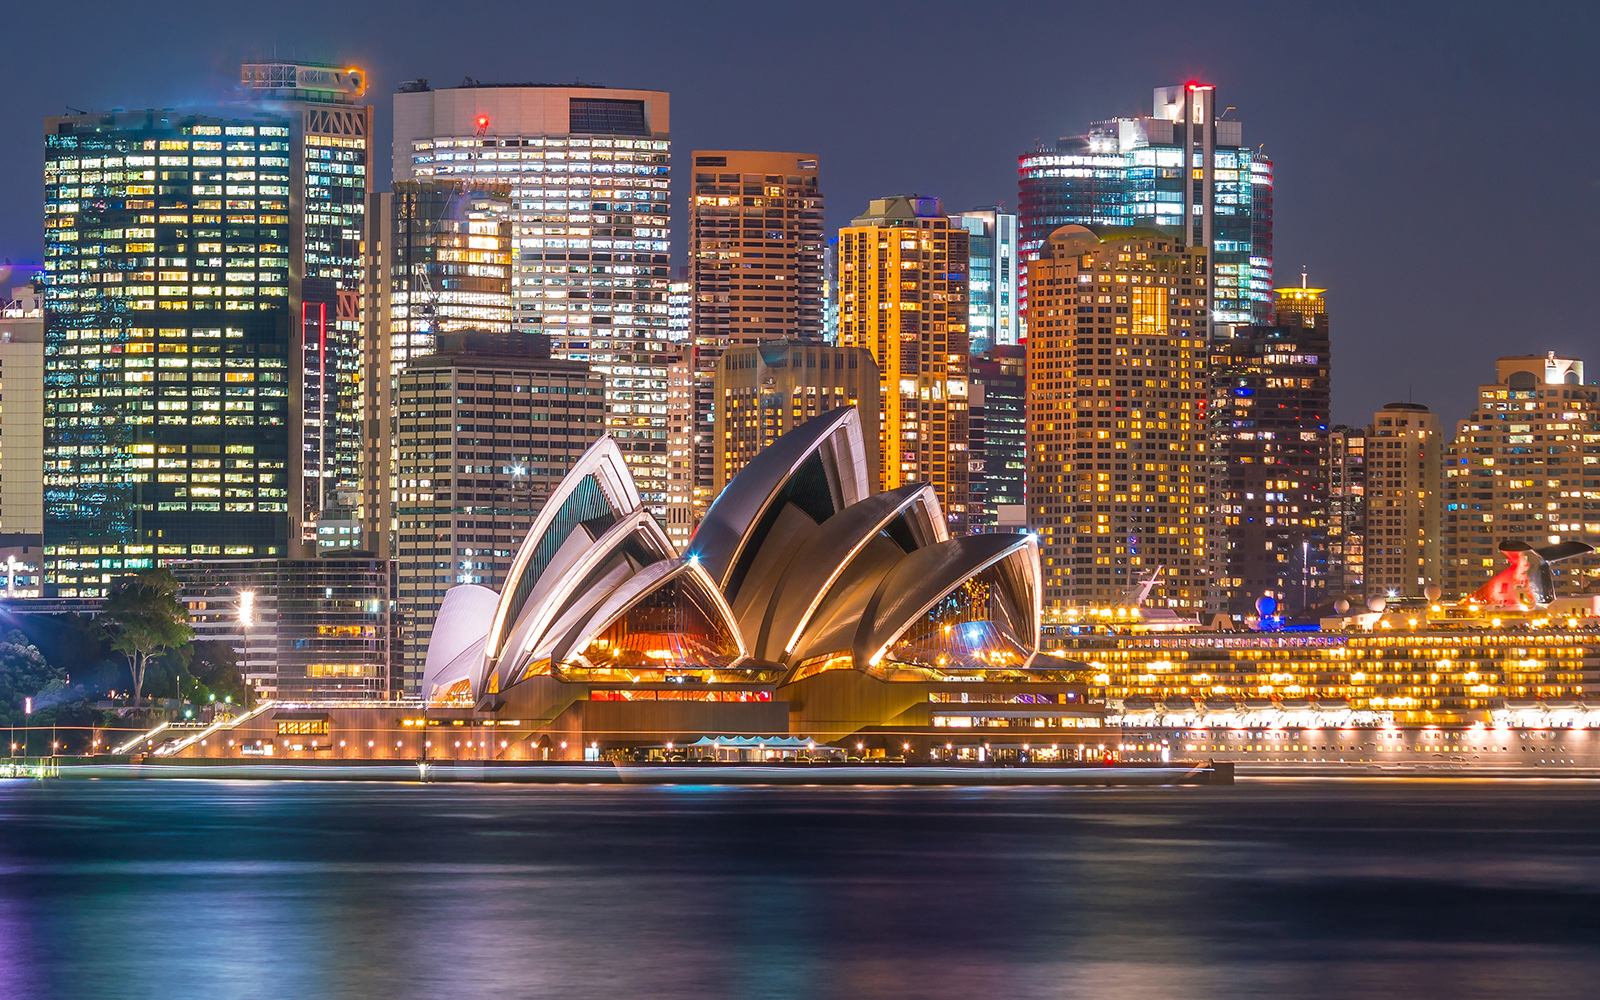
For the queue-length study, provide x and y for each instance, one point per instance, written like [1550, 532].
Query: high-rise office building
[767, 389]
[203, 336]
[1402, 464]
[486, 426]
[1182, 162]
[992, 317]
[1347, 512]
[589, 172]
[755, 267]
[442, 254]
[830, 291]
[22, 416]
[903, 297]
[680, 308]
[1116, 418]
[1524, 466]
[1268, 457]
[683, 435]
[997, 433]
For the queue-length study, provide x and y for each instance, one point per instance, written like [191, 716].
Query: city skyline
[1361, 220]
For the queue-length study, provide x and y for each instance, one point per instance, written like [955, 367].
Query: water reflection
[1310, 889]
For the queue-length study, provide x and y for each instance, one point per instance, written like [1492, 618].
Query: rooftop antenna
[1303, 277]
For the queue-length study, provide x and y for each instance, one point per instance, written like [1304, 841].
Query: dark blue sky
[1438, 165]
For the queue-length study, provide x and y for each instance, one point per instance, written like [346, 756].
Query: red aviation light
[1193, 85]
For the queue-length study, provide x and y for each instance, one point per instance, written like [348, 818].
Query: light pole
[247, 617]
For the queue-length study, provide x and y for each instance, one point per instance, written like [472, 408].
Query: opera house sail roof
[796, 569]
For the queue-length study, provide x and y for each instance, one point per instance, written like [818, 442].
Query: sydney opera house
[806, 605]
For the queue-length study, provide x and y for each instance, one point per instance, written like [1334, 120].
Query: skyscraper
[486, 426]
[443, 252]
[1347, 512]
[1268, 457]
[589, 173]
[1524, 466]
[997, 434]
[903, 297]
[1403, 471]
[1117, 415]
[22, 418]
[1183, 161]
[203, 338]
[765, 390]
[755, 269]
[992, 317]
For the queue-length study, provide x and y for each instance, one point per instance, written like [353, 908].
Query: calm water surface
[1290, 890]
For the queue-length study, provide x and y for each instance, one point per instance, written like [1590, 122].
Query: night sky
[1438, 165]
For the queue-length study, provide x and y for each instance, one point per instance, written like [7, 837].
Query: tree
[24, 673]
[143, 617]
[204, 668]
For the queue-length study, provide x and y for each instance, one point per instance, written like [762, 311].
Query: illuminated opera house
[805, 605]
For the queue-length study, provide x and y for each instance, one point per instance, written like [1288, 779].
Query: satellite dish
[1432, 592]
[1342, 606]
[1376, 604]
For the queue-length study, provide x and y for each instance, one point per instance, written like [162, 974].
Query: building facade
[305, 629]
[992, 316]
[442, 254]
[485, 427]
[590, 178]
[1117, 386]
[1347, 513]
[1402, 462]
[755, 269]
[998, 436]
[202, 326]
[1183, 161]
[766, 390]
[903, 297]
[1268, 458]
[1524, 466]
[22, 415]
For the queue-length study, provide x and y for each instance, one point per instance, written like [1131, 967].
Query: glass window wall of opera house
[806, 611]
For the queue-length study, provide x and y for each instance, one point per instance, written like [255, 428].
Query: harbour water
[1307, 888]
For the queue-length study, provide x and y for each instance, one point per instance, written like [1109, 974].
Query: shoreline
[450, 772]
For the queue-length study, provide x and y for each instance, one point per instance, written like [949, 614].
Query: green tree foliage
[143, 618]
[204, 668]
[24, 673]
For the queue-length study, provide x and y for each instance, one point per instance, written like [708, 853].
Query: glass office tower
[1135, 172]
[992, 317]
[202, 333]
[588, 169]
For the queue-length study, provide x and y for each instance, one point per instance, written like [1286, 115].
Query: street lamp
[247, 617]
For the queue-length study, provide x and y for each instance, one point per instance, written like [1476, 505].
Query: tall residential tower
[903, 297]
[1116, 416]
[755, 271]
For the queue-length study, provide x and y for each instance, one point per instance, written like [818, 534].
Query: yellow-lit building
[1117, 334]
[903, 297]
[766, 390]
[1402, 493]
[755, 271]
[1524, 466]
